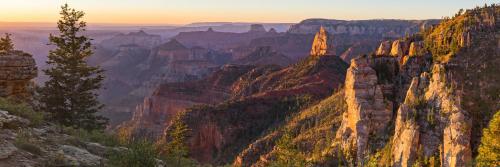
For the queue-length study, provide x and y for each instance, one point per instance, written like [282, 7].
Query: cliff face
[152, 116]
[366, 114]
[17, 69]
[387, 28]
[260, 98]
[433, 123]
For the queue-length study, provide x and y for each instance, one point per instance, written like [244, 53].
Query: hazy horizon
[182, 12]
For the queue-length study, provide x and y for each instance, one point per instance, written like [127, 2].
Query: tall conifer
[70, 93]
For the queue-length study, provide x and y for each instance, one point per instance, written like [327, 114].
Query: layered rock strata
[17, 69]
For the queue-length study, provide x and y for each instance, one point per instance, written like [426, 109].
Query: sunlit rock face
[322, 44]
[17, 69]
[384, 48]
[366, 112]
[416, 49]
[431, 123]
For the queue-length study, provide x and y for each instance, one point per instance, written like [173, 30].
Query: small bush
[96, 136]
[22, 110]
[139, 154]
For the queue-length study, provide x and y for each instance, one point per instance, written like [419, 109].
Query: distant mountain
[385, 28]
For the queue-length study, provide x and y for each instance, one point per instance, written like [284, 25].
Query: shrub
[140, 154]
[489, 150]
[22, 110]
[97, 136]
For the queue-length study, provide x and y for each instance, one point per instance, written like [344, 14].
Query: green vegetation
[288, 154]
[69, 95]
[139, 154]
[22, 110]
[6, 44]
[175, 151]
[96, 136]
[452, 34]
[489, 150]
[308, 135]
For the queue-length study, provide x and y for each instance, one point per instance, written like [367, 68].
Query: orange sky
[188, 11]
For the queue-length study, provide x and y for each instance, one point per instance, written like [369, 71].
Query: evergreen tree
[6, 44]
[70, 93]
[176, 148]
[489, 150]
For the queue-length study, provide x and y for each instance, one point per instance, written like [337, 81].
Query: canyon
[320, 93]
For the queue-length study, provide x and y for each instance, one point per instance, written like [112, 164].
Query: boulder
[10, 121]
[75, 156]
[97, 149]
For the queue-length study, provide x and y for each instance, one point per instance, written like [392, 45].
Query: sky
[162, 12]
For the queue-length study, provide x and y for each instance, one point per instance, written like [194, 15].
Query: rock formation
[152, 116]
[398, 48]
[258, 100]
[416, 49]
[322, 44]
[17, 69]
[140, 38]
[386, 28]
[384, 48]
[366, 112]
[431, 124]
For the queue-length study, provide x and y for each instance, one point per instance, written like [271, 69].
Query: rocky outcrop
[17, 69]
[398, 48]
[322, 44]
[384, 48]
[416, 49]
[366, 111]
[79, 157]
[431, 124]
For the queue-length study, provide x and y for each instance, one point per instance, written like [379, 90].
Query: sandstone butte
[322, 44]
[17, 69]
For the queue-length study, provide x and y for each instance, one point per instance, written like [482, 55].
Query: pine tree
[176, 148]
[6, 44]
[489, 150]
[70, 93]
